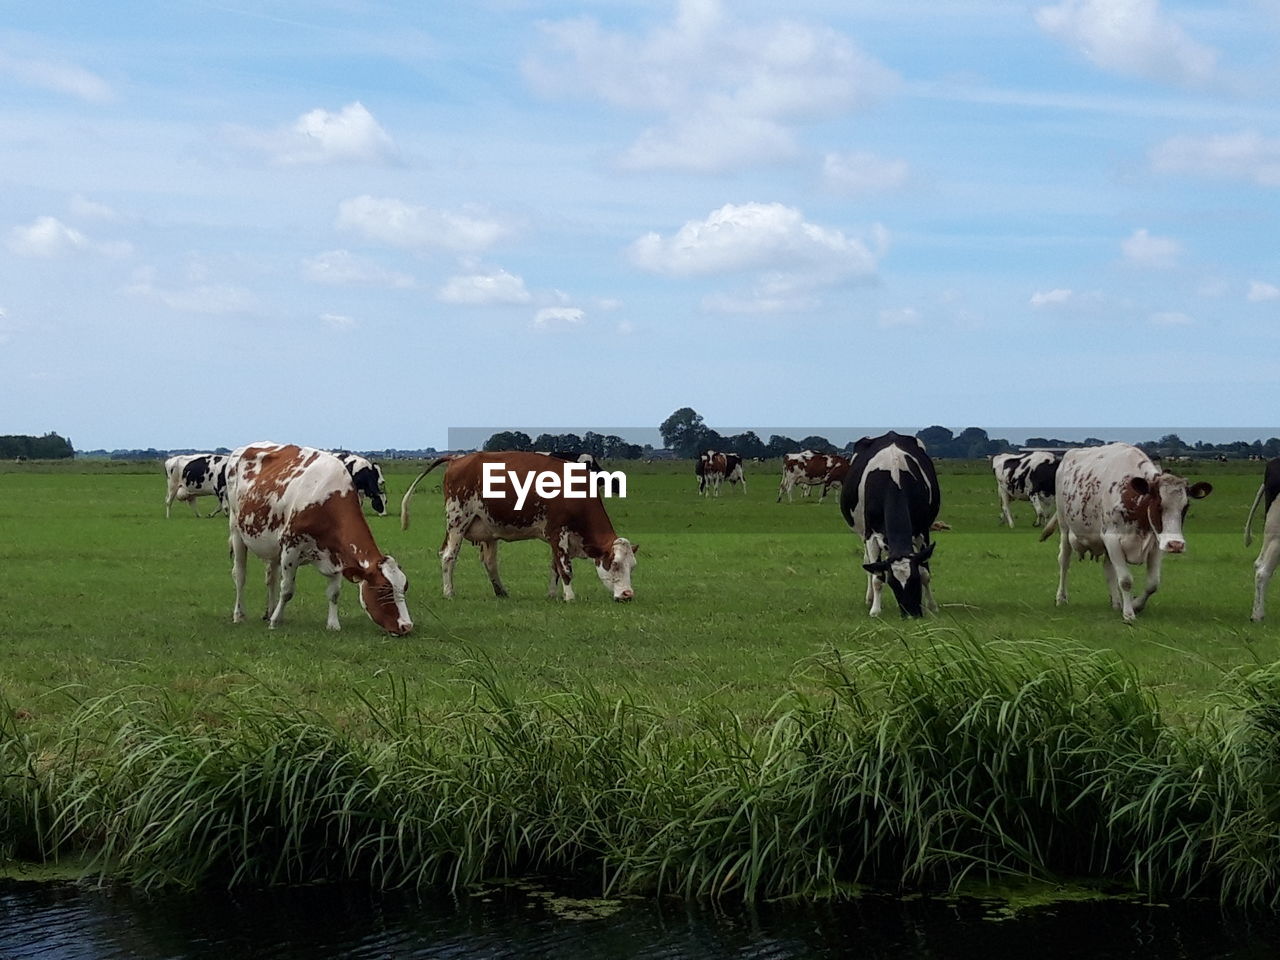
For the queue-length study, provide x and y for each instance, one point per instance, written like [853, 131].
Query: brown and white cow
[1114, 503]
[522, 505]
[816, 469]
[714, 468]
[293, 506]
[1269, 556]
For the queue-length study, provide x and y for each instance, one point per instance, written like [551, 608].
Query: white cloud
[729, 92]
[901, 317]
[320, 136]
[343, 268]
[760, 236]
[482, 289]
[59, 77]
[49, 238]
[862, 172]
[338, 321]
[1049, 297]
[1144, 250]
[558, 318]
[1132, 37]
[1240, 156]
[1172, 319]
[198, 297]
[399, 224]
[1260, 292]
[90, 209]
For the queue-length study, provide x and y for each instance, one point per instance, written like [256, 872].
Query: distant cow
[793, 470]
[1269, 557]
[1026, 476]
[573, 527]
[891, 499]
[195, 475]
[826, 470]
[293, 506]
[715, 468]
[367, 476]
[1114, 503]
[573, 456]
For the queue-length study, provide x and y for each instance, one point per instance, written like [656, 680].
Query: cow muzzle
[1175, 546]
[624, 596]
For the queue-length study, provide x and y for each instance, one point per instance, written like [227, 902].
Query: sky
[360, 225]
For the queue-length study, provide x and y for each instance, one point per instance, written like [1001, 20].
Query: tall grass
[952, 760]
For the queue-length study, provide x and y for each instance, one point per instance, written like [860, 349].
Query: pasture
[738, 600]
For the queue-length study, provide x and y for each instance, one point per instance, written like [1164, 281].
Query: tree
[684, 432]
[509, 440]
[818, 444]
[935, 439]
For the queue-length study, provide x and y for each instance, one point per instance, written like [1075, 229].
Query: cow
[1113, 502]
[792, 471]
[572, 526]
[1269, 557]
[1026, 476]
[195, 475]
[715, 468]
[817, 469]
[891, 499]
[368, 478]
[293, 506]
[573, 457]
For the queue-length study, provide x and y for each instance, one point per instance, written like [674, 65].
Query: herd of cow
[292, 506]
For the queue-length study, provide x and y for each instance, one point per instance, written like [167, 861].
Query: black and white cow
[891, 498]
[193, 475]
[1269, 557]
[367, 476]
[1026, 476]
[715, 468]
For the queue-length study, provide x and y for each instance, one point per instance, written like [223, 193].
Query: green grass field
[736, 598]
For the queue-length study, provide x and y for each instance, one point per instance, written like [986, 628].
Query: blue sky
[361, 224]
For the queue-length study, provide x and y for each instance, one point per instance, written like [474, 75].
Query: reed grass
[953, 760]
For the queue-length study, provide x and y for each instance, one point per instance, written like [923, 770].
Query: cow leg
[782, 488]
[743, 481]
[824, 493]
[1109, 569]
[926, 583]
[331, 591]
[239, 556]
[1124, 578]
[1263, 568]
[273, 586]
[1064, 565]
[554, 582]
[1038, 504]
[290, 560]
[875, 584]
[449, 558]
[489, 557]
[1005, 515]
[1154, 560]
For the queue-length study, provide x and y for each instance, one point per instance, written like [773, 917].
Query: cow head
[615, 566]
[382, 591]
[906, 577]
[1161, 504]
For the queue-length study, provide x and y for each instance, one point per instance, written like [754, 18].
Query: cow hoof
[1256, 618]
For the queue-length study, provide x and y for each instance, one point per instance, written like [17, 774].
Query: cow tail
[1049, 527]
[408, 494]
[1248, 524]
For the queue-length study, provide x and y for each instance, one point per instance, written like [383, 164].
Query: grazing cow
[518, 510]
[295, 505]
[1114, 503]
[826, 470]
[1025, 476]
[793, 470]
[1269, 557]
[573, 457]
[715, 468]
[196, 475]
[367, 476]
[891, 498]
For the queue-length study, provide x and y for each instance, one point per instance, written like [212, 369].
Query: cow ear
[1198, 491]
[924, 555]
[880, 566]
[1140, 486]
[635, 548]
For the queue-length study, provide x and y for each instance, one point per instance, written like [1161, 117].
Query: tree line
[48, 447]
[600, 446]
